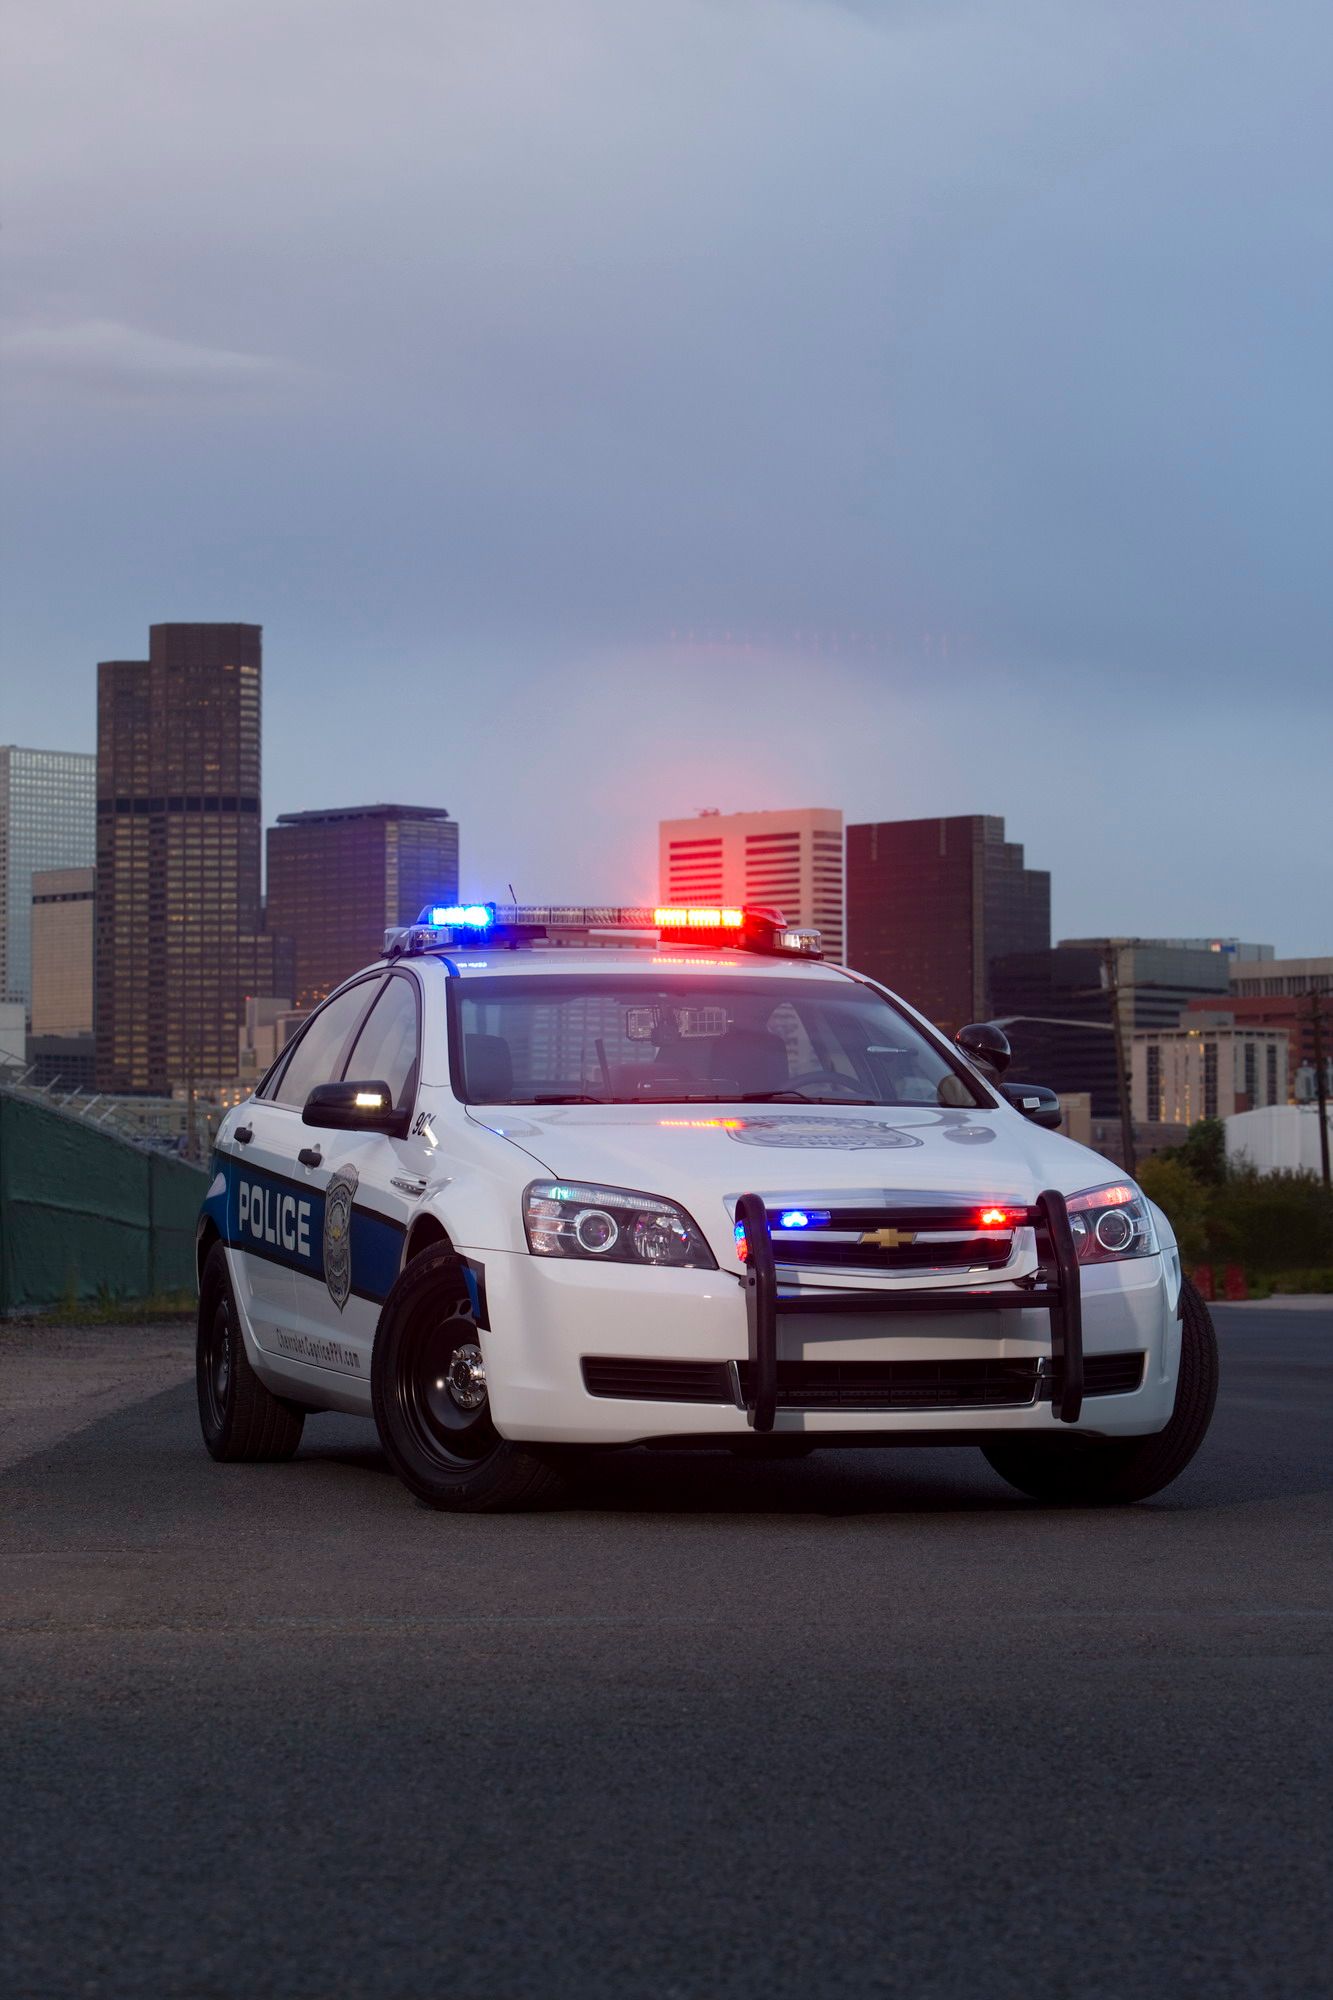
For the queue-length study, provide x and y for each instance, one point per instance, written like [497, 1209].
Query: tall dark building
[338, 879]
[178, 943]
[1042, 996]
[931, 903]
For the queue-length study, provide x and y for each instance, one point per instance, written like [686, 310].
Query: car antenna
[513, 942]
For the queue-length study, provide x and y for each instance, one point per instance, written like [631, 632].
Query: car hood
[704, 1155]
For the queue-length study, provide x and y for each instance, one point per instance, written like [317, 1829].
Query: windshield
[688, 1038]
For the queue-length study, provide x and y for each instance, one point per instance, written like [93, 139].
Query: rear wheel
[432, 1404]
[1106, 1472]
[240, 1418]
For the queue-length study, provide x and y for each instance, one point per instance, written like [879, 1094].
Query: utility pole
[1321, 1084]
[1111, 974]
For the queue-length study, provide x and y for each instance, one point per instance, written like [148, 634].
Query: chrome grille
[904, 1237]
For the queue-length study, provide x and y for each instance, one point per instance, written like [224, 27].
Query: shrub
[1166, 1180]
[1269, 1222]
[1320, 1280]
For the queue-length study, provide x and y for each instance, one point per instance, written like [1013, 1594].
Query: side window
[317, 1056]
[385, 1051]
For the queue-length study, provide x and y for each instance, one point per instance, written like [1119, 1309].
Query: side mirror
[986, 1044]
[355, 1107]
[1036, 1102]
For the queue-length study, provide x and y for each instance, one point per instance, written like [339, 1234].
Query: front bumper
[546, 1317]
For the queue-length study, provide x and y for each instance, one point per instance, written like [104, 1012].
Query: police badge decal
[338, 1199]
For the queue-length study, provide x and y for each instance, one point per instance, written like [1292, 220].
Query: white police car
[544, 1178]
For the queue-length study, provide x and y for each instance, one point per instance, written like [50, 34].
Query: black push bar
[1056, 1288]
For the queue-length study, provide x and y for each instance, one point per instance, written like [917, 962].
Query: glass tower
[48, 801]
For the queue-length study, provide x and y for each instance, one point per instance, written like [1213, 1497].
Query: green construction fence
[84, 1214]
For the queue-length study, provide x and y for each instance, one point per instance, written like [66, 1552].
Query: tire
[241, 1420]
[1079, 1471]
[427, 1356]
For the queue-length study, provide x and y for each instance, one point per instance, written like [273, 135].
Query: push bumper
[1056, 1291]
[547, 1318]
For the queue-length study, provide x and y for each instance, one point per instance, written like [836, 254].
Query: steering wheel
[832, 1077]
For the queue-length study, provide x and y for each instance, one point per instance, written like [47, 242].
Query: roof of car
[647, 962]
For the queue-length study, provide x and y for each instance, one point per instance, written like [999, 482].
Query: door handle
[243, 1134]
[310, 1156]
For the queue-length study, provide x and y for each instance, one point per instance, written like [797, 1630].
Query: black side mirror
[986, 1044]
[355, 1107]
[1036, 1102]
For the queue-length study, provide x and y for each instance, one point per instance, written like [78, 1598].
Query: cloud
[104, 358]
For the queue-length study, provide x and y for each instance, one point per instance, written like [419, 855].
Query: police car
[553, 1178]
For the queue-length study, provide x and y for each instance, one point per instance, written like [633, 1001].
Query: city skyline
[491, 864]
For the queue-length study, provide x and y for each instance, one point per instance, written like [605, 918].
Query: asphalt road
[865, 1724]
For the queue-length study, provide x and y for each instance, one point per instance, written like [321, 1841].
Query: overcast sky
[614, 407]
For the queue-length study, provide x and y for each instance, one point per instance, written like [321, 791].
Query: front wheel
[1079, 1471]
[431, 1401]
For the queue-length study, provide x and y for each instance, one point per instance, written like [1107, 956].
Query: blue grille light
[793, 1218]
[472, 916]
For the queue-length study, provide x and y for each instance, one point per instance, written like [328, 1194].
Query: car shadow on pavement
[916, 1480]
[829, 1483]
[832, 1483]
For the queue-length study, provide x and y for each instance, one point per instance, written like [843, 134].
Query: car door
[278, 1204]
[369, 1184]
[261, 1210]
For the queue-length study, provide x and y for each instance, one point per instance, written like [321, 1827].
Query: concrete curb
[1281, 1301]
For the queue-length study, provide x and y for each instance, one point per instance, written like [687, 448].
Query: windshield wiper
[794, 1097]
[565, 1097]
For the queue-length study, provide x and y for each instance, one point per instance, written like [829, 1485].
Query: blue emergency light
[462, 916]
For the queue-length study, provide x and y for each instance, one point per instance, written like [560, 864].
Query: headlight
[1110, 1223]
[614, 1225]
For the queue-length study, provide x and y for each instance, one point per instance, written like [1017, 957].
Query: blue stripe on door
[282, 1220]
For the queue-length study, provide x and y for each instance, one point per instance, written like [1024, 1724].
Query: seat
[488, 1063]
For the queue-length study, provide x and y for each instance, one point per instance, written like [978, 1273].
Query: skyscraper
[931, 903]
[48, 819]
[791, 861]
[337, 879]
[178, 938]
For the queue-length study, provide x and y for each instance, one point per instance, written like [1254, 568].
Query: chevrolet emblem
[890, 1239]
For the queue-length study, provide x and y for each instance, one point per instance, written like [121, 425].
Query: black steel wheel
[241, 1420]
[432, 1402]
[1077, 1471]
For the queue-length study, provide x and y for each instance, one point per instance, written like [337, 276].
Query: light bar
[752, 929]
[685, 918]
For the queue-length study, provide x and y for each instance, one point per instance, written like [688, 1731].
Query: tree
[1203, 1151]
